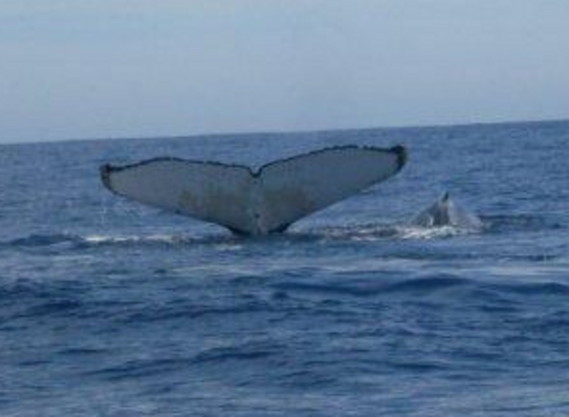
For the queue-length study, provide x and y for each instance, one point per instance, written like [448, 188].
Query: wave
[519, 223]
[492, 224]
[464, 286]
[43, 240]
[237, 353]
[138, 368]
[372, 232]
[375, 285]
[151, 368]
[352, 233]
[189, 309]
[71, 241]
[533, 288]
[428, 233]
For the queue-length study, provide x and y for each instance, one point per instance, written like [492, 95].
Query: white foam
[427, 233]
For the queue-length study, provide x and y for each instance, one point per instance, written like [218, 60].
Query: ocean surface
[110, 308]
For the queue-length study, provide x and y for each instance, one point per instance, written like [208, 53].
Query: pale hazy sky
[74, 69]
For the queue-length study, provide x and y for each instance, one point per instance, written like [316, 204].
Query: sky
[84, 69]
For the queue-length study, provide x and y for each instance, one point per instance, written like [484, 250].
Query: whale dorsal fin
[260, 202]
[446, 212]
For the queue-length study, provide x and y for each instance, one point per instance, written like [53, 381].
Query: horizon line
[286, 132]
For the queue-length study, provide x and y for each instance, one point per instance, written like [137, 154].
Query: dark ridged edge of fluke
[108, 168]
[402, 155]
[399, 150]
[105, 171]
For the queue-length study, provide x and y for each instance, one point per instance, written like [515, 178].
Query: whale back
[446, 212]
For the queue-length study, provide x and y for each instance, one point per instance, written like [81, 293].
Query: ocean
[110, 308]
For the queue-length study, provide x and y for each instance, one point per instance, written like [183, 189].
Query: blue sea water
[109, 308]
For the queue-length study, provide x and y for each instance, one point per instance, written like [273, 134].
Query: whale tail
[446, 212]
[254, 202]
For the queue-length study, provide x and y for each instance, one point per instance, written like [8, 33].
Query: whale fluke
[256, 202]
[446, 212]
